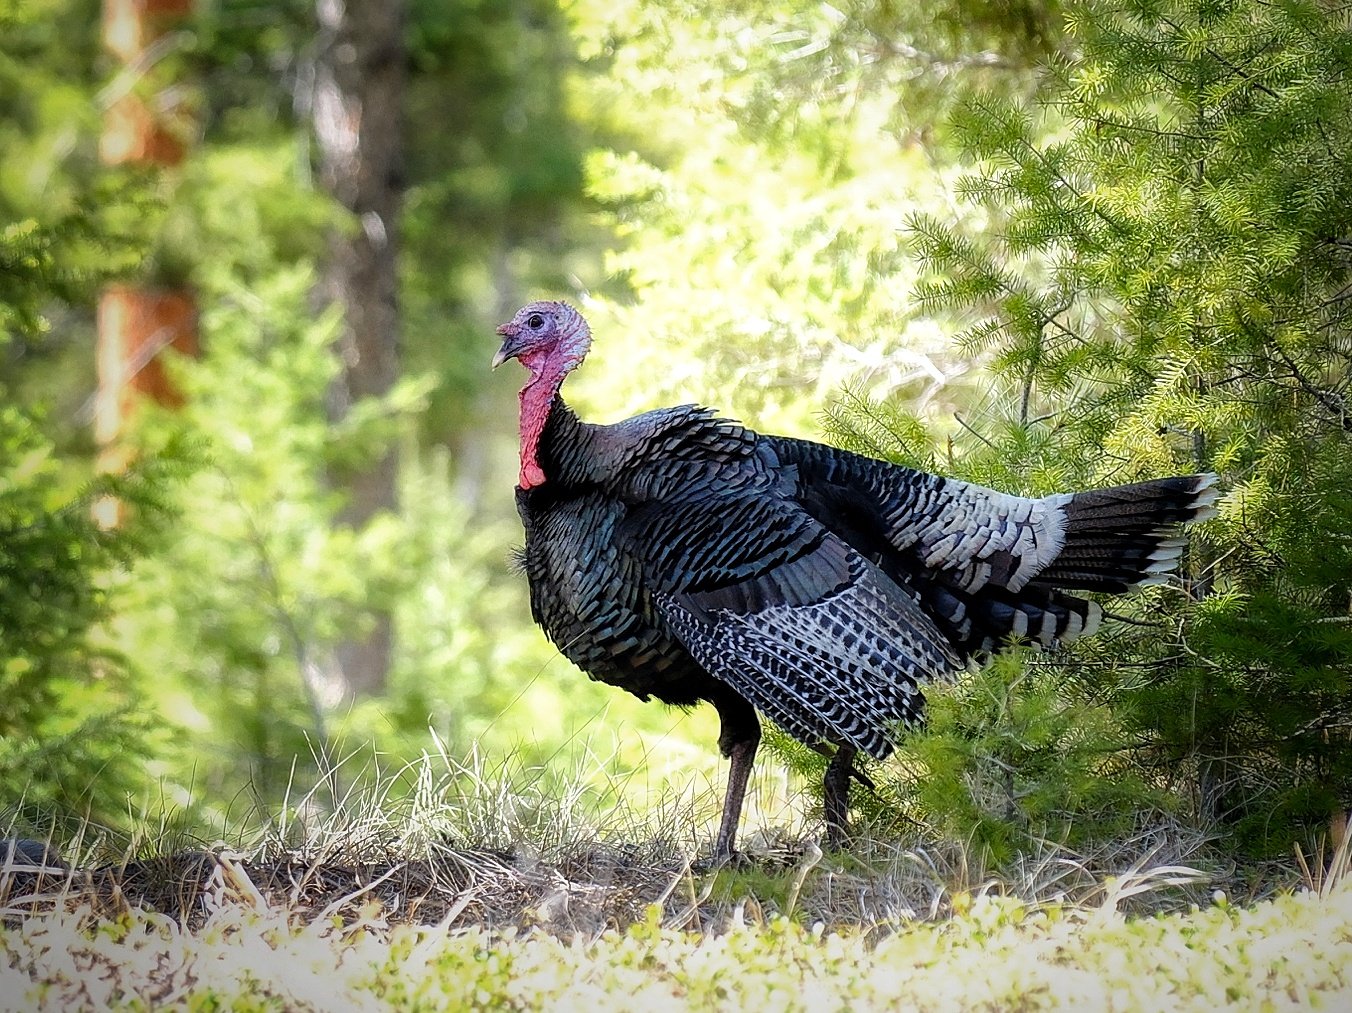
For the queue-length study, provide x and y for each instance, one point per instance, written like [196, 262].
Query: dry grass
[472, 845]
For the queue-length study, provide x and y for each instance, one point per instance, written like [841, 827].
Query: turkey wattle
[682, 556]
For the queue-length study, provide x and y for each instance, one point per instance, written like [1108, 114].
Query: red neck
[537, 397]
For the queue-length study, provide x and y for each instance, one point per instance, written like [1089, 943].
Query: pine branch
[1332, 402]
[963, 422]
[1104, 121]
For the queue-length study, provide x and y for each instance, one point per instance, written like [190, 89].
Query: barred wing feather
[807, 630]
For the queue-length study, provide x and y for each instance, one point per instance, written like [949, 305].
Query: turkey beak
[510, 347]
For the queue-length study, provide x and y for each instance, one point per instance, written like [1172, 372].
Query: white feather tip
[1204, 496]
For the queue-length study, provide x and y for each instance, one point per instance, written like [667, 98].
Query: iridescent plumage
[682, 556]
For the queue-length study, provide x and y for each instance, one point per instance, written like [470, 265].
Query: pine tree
[74, 730]
[72, 738]
[1164, 286]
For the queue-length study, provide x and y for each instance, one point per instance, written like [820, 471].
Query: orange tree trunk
[137, 322]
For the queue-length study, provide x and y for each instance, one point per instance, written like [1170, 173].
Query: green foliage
[28, 272]
[1006, 757]
[73, 734]
[73, 731]
[258, 576]
[758, 163]
[1162, 289]
[65, 223]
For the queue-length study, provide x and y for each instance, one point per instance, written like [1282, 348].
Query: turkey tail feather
[1127, 536]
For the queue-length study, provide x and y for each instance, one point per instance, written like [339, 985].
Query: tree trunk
[357, 110]
[137, 321]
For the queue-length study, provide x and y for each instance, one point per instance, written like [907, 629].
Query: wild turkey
[681, 556]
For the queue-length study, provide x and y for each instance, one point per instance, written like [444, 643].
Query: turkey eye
[535, 322]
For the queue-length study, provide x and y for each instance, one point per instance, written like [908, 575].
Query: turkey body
[675, 542]
[686, 558]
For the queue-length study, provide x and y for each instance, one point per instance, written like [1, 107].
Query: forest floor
[340, 924]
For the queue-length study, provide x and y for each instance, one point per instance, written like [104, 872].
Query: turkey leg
[737, 739]
[836, 796]
[742, 755]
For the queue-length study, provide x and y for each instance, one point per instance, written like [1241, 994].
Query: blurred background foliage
[984, 239]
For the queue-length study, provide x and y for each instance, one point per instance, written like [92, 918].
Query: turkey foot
[737, 861]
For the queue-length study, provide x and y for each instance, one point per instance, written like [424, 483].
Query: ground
[637, 927]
